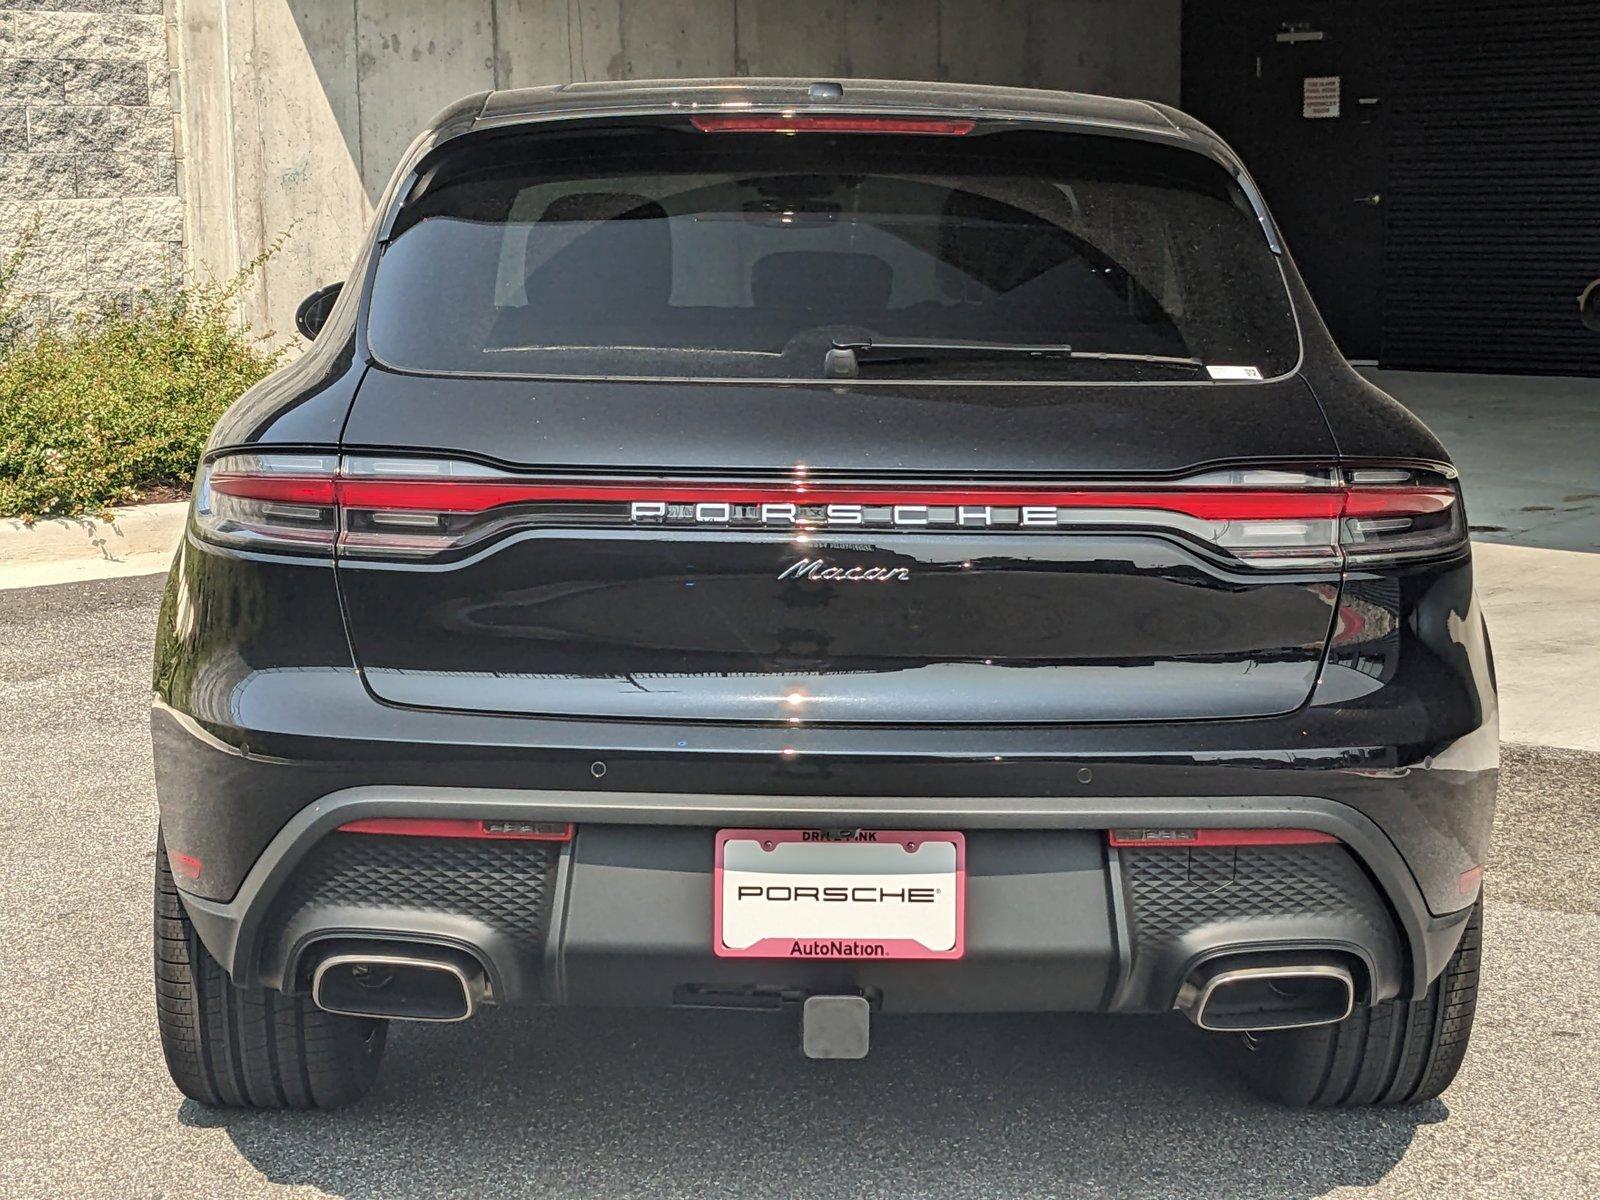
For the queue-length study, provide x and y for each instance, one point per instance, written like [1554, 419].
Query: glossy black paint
[859, 429]
[696, 626]
[261, 707]
[250, 730]
[1111, 629]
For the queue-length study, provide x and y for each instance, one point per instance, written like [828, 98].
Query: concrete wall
[86, 151]
[295, 111]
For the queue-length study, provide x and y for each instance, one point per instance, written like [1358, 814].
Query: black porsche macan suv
[843, 549]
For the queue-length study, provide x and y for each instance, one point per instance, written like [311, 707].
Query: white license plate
[806, 893]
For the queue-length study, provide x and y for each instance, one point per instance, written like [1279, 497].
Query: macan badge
[822, 569]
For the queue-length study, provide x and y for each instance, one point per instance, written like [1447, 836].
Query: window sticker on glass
[1226, 372]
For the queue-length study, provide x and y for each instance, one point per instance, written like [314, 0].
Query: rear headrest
[601, 206]
[830, 284]
[619, 259]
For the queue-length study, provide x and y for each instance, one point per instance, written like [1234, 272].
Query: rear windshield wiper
[845, 359]
[1164, 360]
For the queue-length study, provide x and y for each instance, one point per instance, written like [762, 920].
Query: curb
[140, 530]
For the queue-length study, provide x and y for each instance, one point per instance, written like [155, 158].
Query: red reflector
[1468, 881]
[779, 123]
[186, 865]
[453, 827]
[1186, 838]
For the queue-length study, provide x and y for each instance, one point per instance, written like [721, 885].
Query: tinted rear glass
[667, 253]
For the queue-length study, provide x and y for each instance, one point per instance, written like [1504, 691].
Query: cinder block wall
[87, 151]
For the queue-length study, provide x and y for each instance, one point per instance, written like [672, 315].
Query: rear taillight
[270, 501]
[1400, 512]
[377, 507]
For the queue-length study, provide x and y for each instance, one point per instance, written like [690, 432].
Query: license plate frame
[846, 928]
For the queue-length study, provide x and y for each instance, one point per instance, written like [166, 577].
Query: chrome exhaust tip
[417, 983]
[1233, 996]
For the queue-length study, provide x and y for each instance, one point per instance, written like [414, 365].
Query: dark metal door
[1300, 90]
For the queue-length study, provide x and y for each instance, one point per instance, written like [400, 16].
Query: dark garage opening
[1435, 165]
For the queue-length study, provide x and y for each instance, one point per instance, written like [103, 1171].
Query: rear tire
[1398, 1052]
[233, 1047]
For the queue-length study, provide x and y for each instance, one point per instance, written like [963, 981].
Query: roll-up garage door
[1493, 211]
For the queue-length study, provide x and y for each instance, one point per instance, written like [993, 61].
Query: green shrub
[120, 404]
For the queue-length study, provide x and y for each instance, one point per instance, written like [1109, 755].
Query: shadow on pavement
[571, 1103]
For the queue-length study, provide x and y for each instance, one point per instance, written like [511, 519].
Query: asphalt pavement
[701, 1104]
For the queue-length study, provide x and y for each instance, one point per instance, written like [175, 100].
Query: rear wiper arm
[844, 360]
[1165, 360]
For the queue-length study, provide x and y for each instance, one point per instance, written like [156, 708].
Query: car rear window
[670, 253]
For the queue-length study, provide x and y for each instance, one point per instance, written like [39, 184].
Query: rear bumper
[257, 766]
[1057, 920]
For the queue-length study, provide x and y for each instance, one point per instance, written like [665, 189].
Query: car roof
[602, 98]
[1140, 119]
